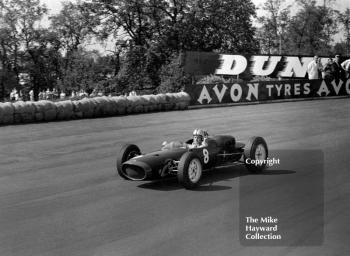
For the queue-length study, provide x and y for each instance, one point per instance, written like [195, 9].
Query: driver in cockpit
[199, 139]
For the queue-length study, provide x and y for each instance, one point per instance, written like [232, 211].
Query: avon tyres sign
[206, 63]
[265, 90]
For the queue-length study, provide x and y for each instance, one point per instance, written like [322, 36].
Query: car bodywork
[221, 150]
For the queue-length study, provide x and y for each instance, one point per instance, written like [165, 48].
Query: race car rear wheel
[255, 150]
[189, 170]
[126, 152]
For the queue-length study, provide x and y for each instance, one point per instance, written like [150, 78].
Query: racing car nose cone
[135, 172]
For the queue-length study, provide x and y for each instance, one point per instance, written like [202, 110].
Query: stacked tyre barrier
[45, 111]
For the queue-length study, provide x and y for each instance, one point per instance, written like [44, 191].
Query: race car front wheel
[255, 154]
[189, 170]
[126, 152]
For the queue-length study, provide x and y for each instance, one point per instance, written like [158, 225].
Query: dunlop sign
[206, 63]
[204, 94]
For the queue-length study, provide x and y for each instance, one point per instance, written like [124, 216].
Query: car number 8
[206, 155]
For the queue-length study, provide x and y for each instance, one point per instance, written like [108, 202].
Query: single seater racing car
[179, 159]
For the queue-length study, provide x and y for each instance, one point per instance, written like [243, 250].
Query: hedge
[44, 110]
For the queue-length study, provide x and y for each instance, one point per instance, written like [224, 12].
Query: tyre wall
[45, 111]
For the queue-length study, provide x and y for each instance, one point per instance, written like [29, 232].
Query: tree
[120, 17]
[156, 30]
[6, 72]
[272, 34]
[25, 44]
[73, 26]
[224, 26]
[344, 19]
[42, 61]
[172, 75]
[340, 48]
[311, 29]
[10, 46]
[81, 74]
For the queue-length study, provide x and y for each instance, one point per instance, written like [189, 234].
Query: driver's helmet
[199, 135]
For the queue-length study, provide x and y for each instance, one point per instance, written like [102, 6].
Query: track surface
[59, 194]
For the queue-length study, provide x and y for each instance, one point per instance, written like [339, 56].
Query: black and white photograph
[174, 127]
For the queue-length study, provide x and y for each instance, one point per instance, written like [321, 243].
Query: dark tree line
[308, 31]
[149, 38]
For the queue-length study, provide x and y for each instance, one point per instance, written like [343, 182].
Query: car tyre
[255, 149]
[190, 170]
[126, 152]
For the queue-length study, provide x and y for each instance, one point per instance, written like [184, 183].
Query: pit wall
[210, 95]
[45, 111]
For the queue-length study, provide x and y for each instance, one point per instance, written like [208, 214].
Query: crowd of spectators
[55, 95]
[332, 70]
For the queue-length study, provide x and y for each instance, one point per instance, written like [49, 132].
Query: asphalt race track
[59, 194]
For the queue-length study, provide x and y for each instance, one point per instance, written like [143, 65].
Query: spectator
[346, 66]
[55, 93]
[48, 94]
[62, 95]
[132, 93]
[17, 95]
[93, 93]
[314, 68]
[82, 94]
[31, 95]
[40, 95]
[13, 95]
[339, 72]
[44, 95]
[328, 70]
[320, 68]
